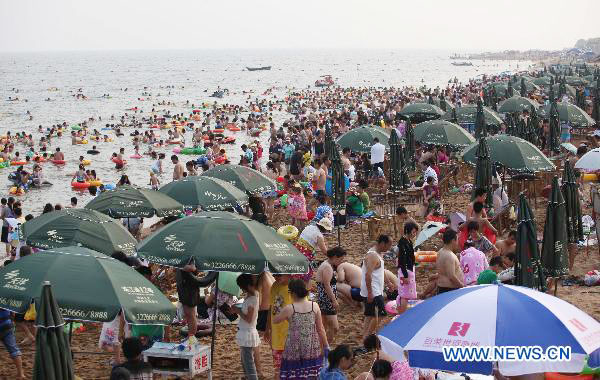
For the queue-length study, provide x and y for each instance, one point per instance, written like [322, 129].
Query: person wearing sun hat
[310, 240]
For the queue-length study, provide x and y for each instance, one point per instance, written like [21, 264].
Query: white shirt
[377, 279]
[500, 200]
[377, 153]
[429, 172]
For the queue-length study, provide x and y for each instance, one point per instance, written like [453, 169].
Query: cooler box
[167, 359]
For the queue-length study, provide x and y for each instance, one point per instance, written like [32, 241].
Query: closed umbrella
[222, 241]
[88, 285]
[523, 89]
[480, 127]
[419, 112]
[517, 104]
[79, 227]
[361, 139]
[444, 104]
[555, 260]
[442, 133]
[554, 136]
[206, 193]
[533, 126]
[398, 175]
[570, 190]
[129, 201]
[483, 172]
[565, 88]
[509, 90]
[528, 268]
[337, 181]
[516, 154]
[53, 360]
[493, 315]
[410, 151]
[329, 142]
[246, 179]
[596, 106]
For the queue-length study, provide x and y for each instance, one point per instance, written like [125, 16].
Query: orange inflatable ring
[119, 162]
[15, 163]
[218, 130]
[58, 162]
[220, 160]
[80, 185]
[16, 191]
[560, 376]
[425, 256]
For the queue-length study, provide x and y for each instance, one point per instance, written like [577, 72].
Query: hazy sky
[27, 25]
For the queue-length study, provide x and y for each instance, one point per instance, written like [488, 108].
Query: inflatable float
[80, 185]
[16, 191]
[288, 232]
[58, 162]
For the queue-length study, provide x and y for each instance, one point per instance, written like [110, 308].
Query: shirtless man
[480, 196]
[450, 274]
[478, 215]
[59, 156]
[320, 177]
[508, 245]
[178, 169]
[346, 158]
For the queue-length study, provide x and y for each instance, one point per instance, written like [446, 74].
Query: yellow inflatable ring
[288, 232]
[86, 162]
[96, 183]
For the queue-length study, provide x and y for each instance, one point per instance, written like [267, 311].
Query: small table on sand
[168, 360]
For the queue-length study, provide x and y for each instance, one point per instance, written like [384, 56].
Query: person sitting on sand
[138, 369]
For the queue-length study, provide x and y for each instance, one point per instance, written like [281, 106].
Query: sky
[461, 25]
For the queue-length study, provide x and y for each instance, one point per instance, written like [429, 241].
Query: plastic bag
[30, 314]
[109, 336]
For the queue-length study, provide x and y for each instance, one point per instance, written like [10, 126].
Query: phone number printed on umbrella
[225, 266]
[11, 302]
[163, 261]
[153, 317]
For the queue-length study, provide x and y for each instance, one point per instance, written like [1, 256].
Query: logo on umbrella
[54, 236]
[459, 328]
[173, 244]
[13, 281]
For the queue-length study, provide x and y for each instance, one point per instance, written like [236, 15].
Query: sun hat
[325, 223]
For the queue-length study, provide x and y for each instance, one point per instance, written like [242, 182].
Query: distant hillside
[592, 43]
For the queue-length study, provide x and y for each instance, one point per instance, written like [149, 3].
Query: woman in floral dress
[306, 343]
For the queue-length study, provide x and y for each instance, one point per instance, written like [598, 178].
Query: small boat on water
[258, 68]
[458, 56]
[462, 64]
[326, 81]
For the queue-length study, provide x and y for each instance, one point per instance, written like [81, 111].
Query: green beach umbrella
[483, 172]
[570, 113]
[223, 242]
[88, 285]
[543, 81]
[244, 178]
[570, 190]
[480, 127]
[329, 143]
[499, 88]
[419, 112]
[361, 139]
[566, 89]
[338, 184]
[410, 151]
[517, 104]
[53, 360]
[555, 259]
[442, 133]
[80, 227]
[468, 113]
[398, 176]
[554, 136]
[575, 81]
[528, 268]
[228, 283]
[129, 202]
[523, 88]
[207, 193]
[516, 154]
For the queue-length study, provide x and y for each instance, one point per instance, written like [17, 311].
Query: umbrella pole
[339, 233]
[70, 331]
[214, 321]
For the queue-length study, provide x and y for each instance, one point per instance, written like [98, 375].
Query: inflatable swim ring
[109, 186]
[39, 159]
[96, 183]
[136, 156]
[192, 151]
[229, 140]
[86, 162]
[589, 177]
[82, 142]
[426, 256]
[220, 160]
[4, 164]
[233, 128]
[92, 151]
[118, 162]
[177, 150]
[80, 185]
[58, 162]
[16, 191]
[75, 128]
[15, 163]
[560, 376]
[288, 232]
[219, 130]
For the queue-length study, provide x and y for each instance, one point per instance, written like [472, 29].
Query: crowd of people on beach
[295, 314]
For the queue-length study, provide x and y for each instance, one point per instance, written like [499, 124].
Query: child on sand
[297, 206]
[247, 336]
[154, 182]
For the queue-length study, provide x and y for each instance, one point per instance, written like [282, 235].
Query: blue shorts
[355, 294]
[10, 342]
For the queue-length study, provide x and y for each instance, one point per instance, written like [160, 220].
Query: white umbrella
[589, 161]
[570, 147]
[428, 230]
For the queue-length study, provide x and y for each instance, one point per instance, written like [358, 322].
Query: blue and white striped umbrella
[491, 315]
